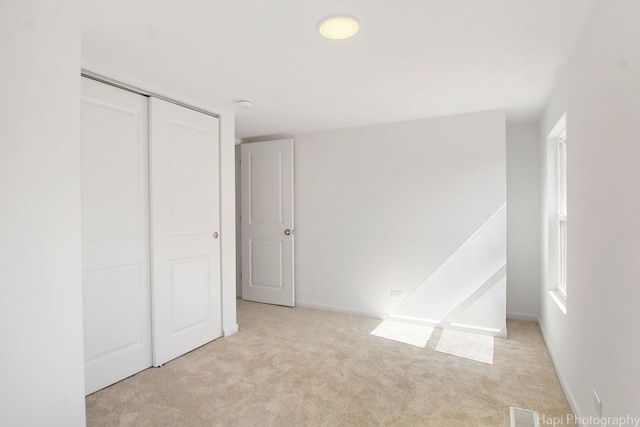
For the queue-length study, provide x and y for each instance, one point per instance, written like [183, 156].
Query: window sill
[560, 300]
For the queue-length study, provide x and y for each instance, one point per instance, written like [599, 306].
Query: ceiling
[411, 59]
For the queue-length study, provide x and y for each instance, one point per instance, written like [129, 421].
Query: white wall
[523, 219]
[41, 361]
[595, 344]
[379, 208]
[41, 365]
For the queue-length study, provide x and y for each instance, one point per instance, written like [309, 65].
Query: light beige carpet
[304, 367]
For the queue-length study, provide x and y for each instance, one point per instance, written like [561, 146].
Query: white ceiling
[411, 59]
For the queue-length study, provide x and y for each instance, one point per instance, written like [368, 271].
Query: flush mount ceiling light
[339, 27]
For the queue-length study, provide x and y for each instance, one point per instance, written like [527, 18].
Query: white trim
[527, 317]
[413, 320]
[563, 384]
[112, 82]
[555, 197]
[560, 129]
[471, 329]
[227, 332]
[559, 299]
[561, 181]
[342, 310]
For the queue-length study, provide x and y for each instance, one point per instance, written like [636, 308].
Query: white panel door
[267, 222]
[115, 234]
[185, 217]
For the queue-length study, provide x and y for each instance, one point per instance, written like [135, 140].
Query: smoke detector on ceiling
[244, 104]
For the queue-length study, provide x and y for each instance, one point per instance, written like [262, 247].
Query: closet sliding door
[150, 224]
[115, 234]
[185, 218]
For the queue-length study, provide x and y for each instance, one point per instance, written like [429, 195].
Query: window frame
[562, 217]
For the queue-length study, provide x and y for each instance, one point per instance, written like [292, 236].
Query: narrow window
[556, 214]
[562, 213]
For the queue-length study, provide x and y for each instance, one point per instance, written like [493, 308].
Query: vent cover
[523, 418]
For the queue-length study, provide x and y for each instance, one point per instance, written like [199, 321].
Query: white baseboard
[343, 310]
[523, 316]
[227, 332]
[470, 329]
[425, 322]
[565, 389]
[413, 320]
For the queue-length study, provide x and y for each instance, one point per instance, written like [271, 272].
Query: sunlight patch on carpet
[407, 333]
[469, 346]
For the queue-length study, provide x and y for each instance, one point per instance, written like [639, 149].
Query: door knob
[215, 235]
[287, 232]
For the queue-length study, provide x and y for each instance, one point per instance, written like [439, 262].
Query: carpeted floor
[304, 367]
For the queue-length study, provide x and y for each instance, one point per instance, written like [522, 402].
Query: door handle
[288, 232]
[215, 235]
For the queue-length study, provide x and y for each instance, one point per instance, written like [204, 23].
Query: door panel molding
[185, 226]
[267, 222]
[115, 235]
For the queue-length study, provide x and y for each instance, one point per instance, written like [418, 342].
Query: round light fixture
[339, 27]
